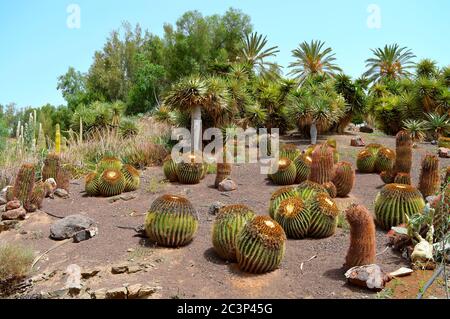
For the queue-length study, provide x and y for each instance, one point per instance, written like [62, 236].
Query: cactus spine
[170, 169]
[111, 183]
[91, 184]
[308, 190]
[322, 166]
[362, 250]
[344, 179]
[430, 179]
[384, 160]
[365, 161]
[132, 178]
[331, 189]
[289, 151]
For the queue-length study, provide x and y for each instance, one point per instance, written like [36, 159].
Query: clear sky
[36, 44]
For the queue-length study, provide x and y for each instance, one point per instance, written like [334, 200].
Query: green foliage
[15, 262]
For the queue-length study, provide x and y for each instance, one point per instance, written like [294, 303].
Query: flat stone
[127, 197]
[85, 234]
[228, 185]
[14, 204]
[73, 281]
[147, 291]
[69, 226]
[3, 201]
[134, 269]
[119, 269]
[86, 274]
[370, 276]
[61, 193]
[357, 142]
[15, 214]
[215, 207]
[133, 291]
[116, 293]
[99, 294]
[444, 152]
[58, 293]
[113, 199]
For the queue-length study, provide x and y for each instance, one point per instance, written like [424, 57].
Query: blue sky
[36, 46]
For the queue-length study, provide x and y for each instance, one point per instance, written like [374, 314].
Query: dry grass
[15, 262]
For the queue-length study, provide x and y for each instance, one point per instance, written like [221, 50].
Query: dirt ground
[195, 271]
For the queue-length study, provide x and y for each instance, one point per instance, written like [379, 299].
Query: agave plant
[438, 124]
[416, 128]
[426, 68]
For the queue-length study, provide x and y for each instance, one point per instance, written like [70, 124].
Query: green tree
[73, 88]
[255, 53]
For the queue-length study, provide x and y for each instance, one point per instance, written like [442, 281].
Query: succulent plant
[57, 139]
[190, 170]
[132, 178]
[374, 148]
[91, 182]
[205, 170]
[430, 179]
[223, 172]
[290, 151]
[324, 215]
[52, 164]
[331, 189]
[24, 184]
[444, 142]
[441, 214]
[403, 159]
[229, 222]
[403, 178]
[286, 173]
[293, 216]
[387, 177]
[384, 160]
[344, 179]
[322, 165]
[396, 201]
[9, 193]
[38, 195]
[170, 169]
[278, 196]
[447, 175]
[261, 245]
[109, 162]
[365, 161]
[62, 179]
[332, 143]
[111, 183]
[362, 250]
[172, 221]
[303, 168]
[308, 190]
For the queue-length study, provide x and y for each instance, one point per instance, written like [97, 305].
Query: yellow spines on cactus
[58, 139]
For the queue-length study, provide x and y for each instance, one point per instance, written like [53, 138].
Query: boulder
[366, 129]
[214, 208]
[61, 193]
[357, 142]
[3, 201]
[133, 291]
[73, 281]
[69, 226]
[116, 293]
[119, 269]
[444, 152]
[369, 276]
[14, 204]
[227, 185]
[15, 214]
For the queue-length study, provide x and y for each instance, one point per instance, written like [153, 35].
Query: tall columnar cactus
[365, 161]
[91, 184]
[384, 160]
[303, 168]
[37, 196]
[9, 193]
[111, 183]
[52, 164]
[261, 245]
[62, 179]
[395, 202]
[324, 215]
[308, 190]
[278, 196]
[362, 250]
[24, 184]
[403, 159]
[223, 172]
[229, 222]
[290, 151]
[331, 189]
[58, 139]
[294, 217]
[286, 173]
[109, 162]
[322, 166]
[172, 221]
[132, 178]
[170, 169]
[403, 178]
[430, 179]
[344, 178]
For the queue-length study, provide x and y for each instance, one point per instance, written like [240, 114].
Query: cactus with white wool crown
[191, 169]
[111, 183]
[324, 216]
[430, 179]
[229, 222]
[286, 173]
[278, 196]
[294, 217]
[365, 161]
[322, 166]
[384, 160]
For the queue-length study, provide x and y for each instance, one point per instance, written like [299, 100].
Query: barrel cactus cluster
[112, 178]
[190, 170]
[375, 158]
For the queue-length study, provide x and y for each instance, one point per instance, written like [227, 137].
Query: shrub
[15, 262]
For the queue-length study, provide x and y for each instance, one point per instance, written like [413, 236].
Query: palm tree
[254, 52]
[426, 68]
[312, 59]
[390, 62]
[438, 124]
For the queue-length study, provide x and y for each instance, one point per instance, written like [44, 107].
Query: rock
[444, 152]
[85, 234]
[228, 185]
[147, 292]
[357, 142]
[3, 201]
[99, 294]
[58, 293]
[14, 204]
[370, 276]
[2, 208]
[86, 274]
[215, 207]
[187, 191]
[127, 197]
[366, 129]
[401, 272]
[69, 226]
[119, 269]
[8, 225]
[73, 281]
[15, 214]
[133, 291]
[434, 142]
[116, 293]
[134, 269]
[61, 193]
[114, 199]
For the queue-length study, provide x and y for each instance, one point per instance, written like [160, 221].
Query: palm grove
[218, 69]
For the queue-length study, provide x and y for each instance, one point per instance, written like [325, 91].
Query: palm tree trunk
[313, 132]
[196, 129]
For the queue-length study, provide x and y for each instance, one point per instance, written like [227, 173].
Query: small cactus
[63, 177]
[52, 164]
[290, 151]
[109, 162]
[24, 185]
[91, 184]
[322, 166]
[324, 213]
[170, 169]
[308, 190]
[38, 195]
[303, 168]
[331, 189]
[430, 179]
[344, 179]
[132, 178]
[294, 217]
[387, 177]
[278, 196]
[286, 173]
[111, 183]
[384, 160]
[365, 161]
[403, 159]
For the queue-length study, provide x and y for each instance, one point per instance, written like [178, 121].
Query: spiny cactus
[365, 161]
[132, 178]
[52, 164]
[430, 179]
[403, 159]
[109, 162]
[170, 169]
[261, 245]
[308, 190]
[189, 173]
[387, 177]
[223, 172]
[303, 168]
[278, 196]
[403, 178]
[362, 250]
[447, 176]
[286, 173]
[374, 148]
[24, 184]
[384, 160]
[322, 166]
[344, 179]
[63, 177]
[91, 184]
[396, 201]
[441, 214]
[204, 171]
[290, 151]
[324, 213]
[229, 222]
[332, 143]
[57, 139]
[294, 217]
[172, 221]
[331, 189]
[9, 193]
[111, 183]
[38, 195]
